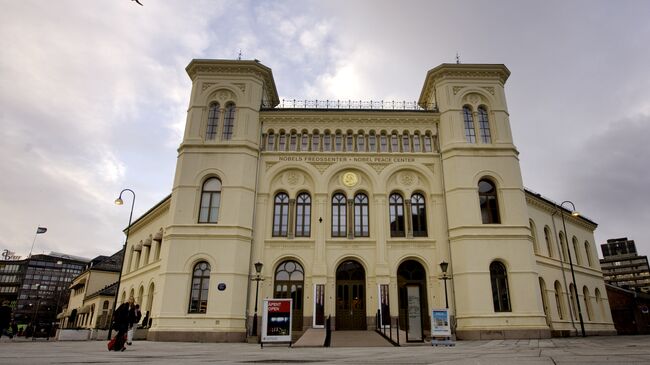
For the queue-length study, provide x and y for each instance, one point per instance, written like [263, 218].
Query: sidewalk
[589, 350]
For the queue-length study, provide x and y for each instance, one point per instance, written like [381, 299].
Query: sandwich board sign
[276, 321]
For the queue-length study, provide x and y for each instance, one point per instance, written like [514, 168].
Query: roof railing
[350, 105]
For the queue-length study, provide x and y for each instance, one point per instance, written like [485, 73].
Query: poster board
[440, 323]
[276, 320]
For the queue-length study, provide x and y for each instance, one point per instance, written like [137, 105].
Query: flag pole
[34, 241]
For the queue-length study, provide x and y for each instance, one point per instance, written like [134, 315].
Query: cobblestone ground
[590, 350]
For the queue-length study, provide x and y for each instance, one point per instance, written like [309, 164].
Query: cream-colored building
[351, 207]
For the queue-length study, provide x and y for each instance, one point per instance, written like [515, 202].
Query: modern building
[92, 294]
[38, 286]
[623, 267]
[351, 207]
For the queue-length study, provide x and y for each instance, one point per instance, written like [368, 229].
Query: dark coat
[5, 316]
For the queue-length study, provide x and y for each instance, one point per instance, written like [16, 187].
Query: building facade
[351, 208]
[623, 267]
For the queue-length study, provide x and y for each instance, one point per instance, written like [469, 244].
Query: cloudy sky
[93, 95]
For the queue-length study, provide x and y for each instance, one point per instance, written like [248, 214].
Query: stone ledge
[503, 334]
[196, 336]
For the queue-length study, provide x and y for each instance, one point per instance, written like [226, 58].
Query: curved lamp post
[574, 213]
[257, 279]
[119, 201]
[443, 266]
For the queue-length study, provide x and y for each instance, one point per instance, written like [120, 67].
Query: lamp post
[119, 201]
[257, 279]
[58, 300]
[574, 213]
[35, 316]
[443, 266]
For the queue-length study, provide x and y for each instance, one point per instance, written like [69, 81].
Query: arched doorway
[289, 283]
[413, 307]
[350, 296]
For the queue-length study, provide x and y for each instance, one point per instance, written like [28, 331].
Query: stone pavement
[590, 350]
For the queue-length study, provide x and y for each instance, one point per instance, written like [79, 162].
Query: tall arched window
[487, 195]
[406, 143]
[338, 142]
[315, 142]
[416, 143]
[500, 293]
[304, 142]
[293, 141]
[289, 283]
[361, 142]
[533, 233]
[282, 142]
[418, 215]
[372, 142]
[576, 251]
[327, 142]
[428, 145]
[270, 142]
[394, 143]
[200, 287]
[558, 300]
[339, 206]
[588, 252]
[349, 145]
[383, 143]
[563, 252]
[470, 132]
[396, 212]
[210, 201]
[228, 121]
[213, 122]
[303, 215]
[587, 299]
[547, 238]
[280, 215]
[573, 294]
[361, 216]
[484, 125]
[599, 305]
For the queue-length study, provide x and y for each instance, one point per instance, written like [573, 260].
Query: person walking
[121, 323]
[5, 319]
[134, 318]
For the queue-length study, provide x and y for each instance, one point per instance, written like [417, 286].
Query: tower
[208, 240]
[492, 260]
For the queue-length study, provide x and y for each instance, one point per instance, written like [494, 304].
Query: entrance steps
[358, 339]
[313, 337]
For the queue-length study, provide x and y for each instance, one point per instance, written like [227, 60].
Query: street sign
[276, 321]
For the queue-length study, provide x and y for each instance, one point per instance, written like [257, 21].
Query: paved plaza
[590, 350]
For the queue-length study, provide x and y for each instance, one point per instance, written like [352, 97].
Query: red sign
[279, 306]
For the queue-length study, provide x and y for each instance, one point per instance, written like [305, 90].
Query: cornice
[205, 67]
[536, 200]
[464, 72]
[349, 119]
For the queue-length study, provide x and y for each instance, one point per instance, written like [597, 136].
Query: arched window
[339, 228]
[563, 252]
[315, 142]
[282, 142]
[338, 142]
[406, 143]
[470, 132]
[418, 215]
[270, 142]
[383, 143]
[588, 252]
[372, 142]
[487, 195]
[484, 125]
[361, 216]
[576, 251]
[228, 121]
[304, 142]
[416, 143]
[599, 305]
[210, 201]
[558, 300]
[200, 287]
[396, 212]
[394, 143]
[293, 141]
[289, 283]
[327, 142]
[428, 146]
[213, 122]
[349, 143]
[533, 233]
[303, 215]
[361, 143]
[500, 294]
[547, 238]
[573, 294]
[280, 215]
[587, 299]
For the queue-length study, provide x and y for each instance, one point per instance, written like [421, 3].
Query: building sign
[440, 323]
[334, 159]
[9, 255]
[276, 320]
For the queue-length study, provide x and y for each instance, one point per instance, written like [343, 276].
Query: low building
[622, 266]
[92, 294]
[630, 310]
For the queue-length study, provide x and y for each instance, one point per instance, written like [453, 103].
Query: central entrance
[350, 296]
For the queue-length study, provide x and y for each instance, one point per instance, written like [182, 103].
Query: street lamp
[443, 266]
[119, 201]
[58, 301]
[574, 213]
[257, 279]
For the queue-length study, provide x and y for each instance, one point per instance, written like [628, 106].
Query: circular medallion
[350, 179]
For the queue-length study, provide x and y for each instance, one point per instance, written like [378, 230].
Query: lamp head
[443, 266]
[258, 267]
[119, 201]
[575, 213]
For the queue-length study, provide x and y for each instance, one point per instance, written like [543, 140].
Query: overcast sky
[93, 95]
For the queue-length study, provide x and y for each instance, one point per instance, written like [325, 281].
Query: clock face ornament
[350, 179]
